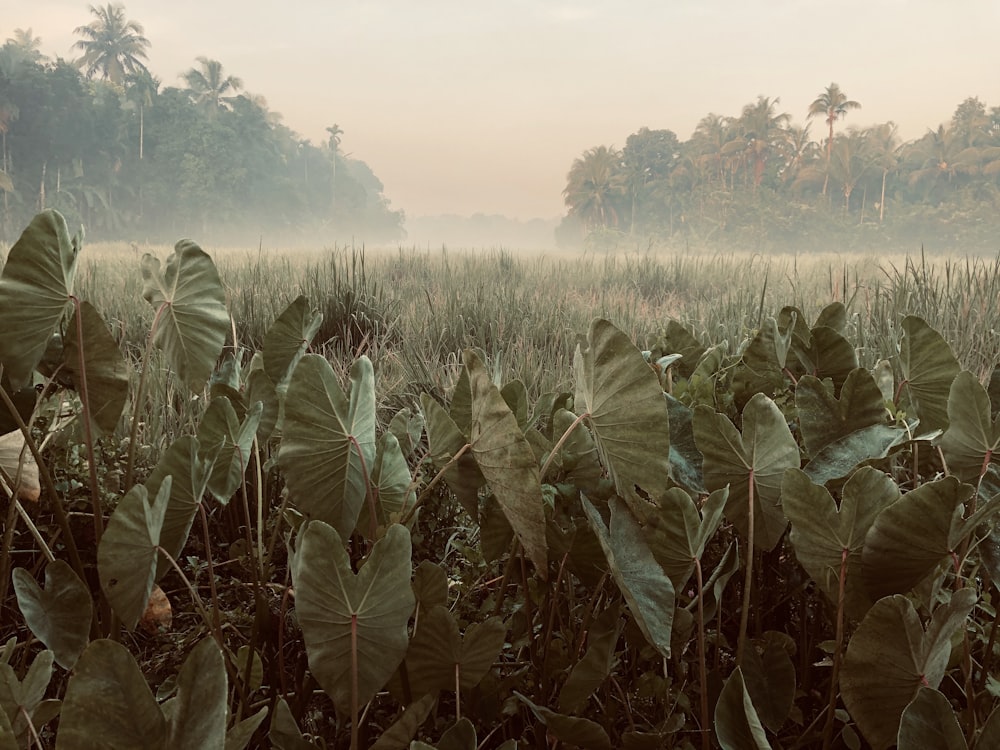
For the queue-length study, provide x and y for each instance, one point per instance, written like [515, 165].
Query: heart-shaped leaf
[627, 413]
[507, 462]
[737, 724]
[822, 534]
[59, 615]
[646, 588]
[973, 435]
[391, 479]
[761, 368]
[128, 552]
[929, 721]
[445, 440]
[572, 730]
[769, 676]
[226, 443]
[35, 287]
[191, 318]
[828, 356]
[890, 657]
[910, 537]
[20, 699]
[840, 457]
[284, 733]
[407, 427]
[106, 372]
[593, 669]
[328, 446]
[109, 704]
[288, 338]
[756, 459]
[678, 339]
[352, 619]
[198, 715]
[929, 366]
[824, 419]
[398, 736]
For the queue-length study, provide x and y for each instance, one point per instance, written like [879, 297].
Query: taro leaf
[189, 479]
[728, 566]
[685, 458]
[506, 461]
[570, 729]
[737, 724]
[989, 735]
[824, 419]
[677, 533]
[59, 615]
[337, 609]
[679, 339]
[8, 740]
[288, 338]
[391, 479]
[198, 718]
[284, 733]
[646, 588]
[791, 320]
[460, 408]
[822, 533]
[839, 458]
[108, 703]
[445, 441]
[190, 303]
[437, 654]
[495, 533]
[627, 414]
[928, 367]
[515, 395]
[407, 427]
[27, 696]
[128, 552]
[226, 444]
[770, 680]
[430, 585]
[929, 721]
[760, 369]
[328, 445]
[35, 287]
[459, 736]
[890, 657]
[973, 436]
[910, 537]
[106, 371]
[399, 734]
[833, 316]
[260, 388]
[593, 669]
[759, 457]
[239, 736]
[829, 355]
[578, 455]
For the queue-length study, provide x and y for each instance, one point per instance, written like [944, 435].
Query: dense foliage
[107, 144]
[758, 181]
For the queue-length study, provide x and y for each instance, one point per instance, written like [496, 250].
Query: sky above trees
[466, 107]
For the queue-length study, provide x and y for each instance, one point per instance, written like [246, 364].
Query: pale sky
[464, 106]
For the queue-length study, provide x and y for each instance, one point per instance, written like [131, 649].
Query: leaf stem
[831, 708]
[558, 446]
[88, 434]
[748, 578]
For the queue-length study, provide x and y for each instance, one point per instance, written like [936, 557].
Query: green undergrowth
[440, 500]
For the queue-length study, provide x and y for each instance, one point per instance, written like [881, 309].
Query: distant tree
[595, 187]
[711, 135]
[798, 151]
[141, 88]
[970, 123]
[333, 143]
[832, 104]
[208, 86]
[886, 151]
[761, 130]
[112, 45]
[29, 44]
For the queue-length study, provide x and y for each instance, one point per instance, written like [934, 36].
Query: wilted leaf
[18, 463]
[159, 615]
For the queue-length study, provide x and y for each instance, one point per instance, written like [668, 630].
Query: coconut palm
[595, 187]
[833, 105]
[208, 87]
[29, 44]
[761, 131]
[112, 45]
[885, 149]
[141, 88]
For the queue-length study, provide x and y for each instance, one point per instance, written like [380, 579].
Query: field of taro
[236, 515]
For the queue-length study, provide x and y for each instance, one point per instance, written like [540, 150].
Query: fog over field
[479, 110]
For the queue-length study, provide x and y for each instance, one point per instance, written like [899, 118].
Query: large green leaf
[761, 367]
[128, 552]
[35, 287]
[226, 443]
[198, 714]
[823, 418]
[108, 704]
[445, 440]
[973, 435]
[677, 533]
[507, 462]
[769, 676]
[929, 722]
[840, 457]
[21, 699]
[572, 730]
[191, 317]
[349, 618]
[288, 338]
[646, 588]
[821, 533]
[328, 446]
[438, 655]
[757, 458]
[685, 458]
[106, 371]
[737, 724]
[391, 479]
[910, 537]
[627, 413]
[929, 366]
[593, 669]
[890, 657]
[677, 339]
[59, 615]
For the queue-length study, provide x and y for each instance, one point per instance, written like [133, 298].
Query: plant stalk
[748, 578]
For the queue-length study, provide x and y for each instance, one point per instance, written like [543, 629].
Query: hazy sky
[464, 106]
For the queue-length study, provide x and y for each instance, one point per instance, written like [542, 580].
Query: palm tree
[884, 143]
[710, 137]
[29, 44]
[832, 104]
[207, 87]
[798, 152]
[762, 129]
[595, 187]
[333, 142]
[141, 88]
[111, 44]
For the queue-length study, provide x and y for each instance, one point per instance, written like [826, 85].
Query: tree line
[757, 180]
[105, 142]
